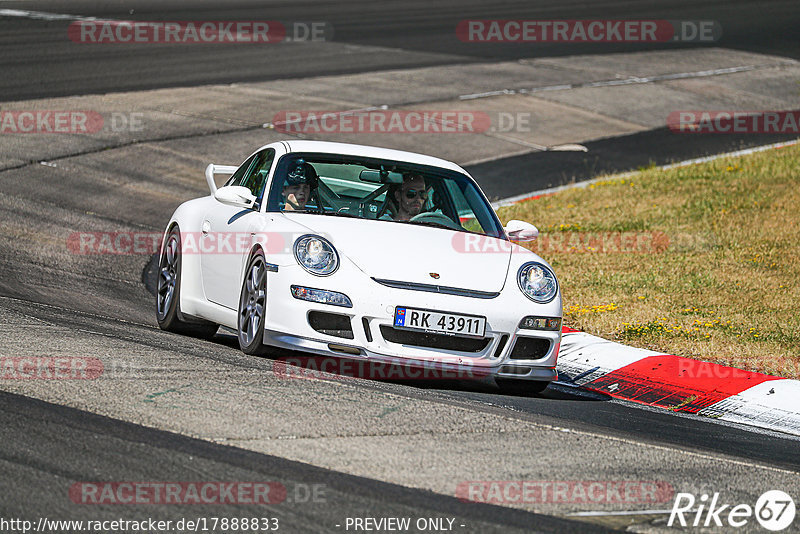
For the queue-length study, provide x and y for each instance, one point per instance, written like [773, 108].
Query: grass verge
[700, 261]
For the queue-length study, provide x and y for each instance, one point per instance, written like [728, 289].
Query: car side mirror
[235, 195]
[521, 231]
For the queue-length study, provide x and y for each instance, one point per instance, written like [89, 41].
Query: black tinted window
[256, 175]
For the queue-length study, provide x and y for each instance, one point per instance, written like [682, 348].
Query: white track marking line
[720, 457]
[324, 115]
[632, 80]
[620, 512]
[42, 15]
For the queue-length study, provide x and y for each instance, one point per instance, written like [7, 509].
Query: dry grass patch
[700, 261]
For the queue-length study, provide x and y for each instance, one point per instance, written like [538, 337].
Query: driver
[410, 197]
[297, 186]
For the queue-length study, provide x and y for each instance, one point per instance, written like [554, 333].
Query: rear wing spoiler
[212, 169]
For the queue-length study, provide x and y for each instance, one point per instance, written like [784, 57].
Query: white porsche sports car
[365, 253]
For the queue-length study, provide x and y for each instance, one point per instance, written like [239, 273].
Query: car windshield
[383, 190]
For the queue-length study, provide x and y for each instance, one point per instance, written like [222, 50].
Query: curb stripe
[676, 383]
[774, 405]
[584, 358]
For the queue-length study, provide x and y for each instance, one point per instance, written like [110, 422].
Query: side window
[237, 176]
[464, 197]
[256, 176]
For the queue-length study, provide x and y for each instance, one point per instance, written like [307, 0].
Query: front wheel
[252, 307]
[168, 293]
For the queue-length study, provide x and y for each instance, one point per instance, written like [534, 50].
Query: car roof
[329, 147]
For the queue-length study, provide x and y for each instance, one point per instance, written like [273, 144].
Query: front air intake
[433, 341]
[331, 324]
[530, 348]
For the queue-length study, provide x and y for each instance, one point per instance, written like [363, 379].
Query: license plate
[453, 324]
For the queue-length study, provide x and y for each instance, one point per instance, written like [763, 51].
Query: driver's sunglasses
[413, 193]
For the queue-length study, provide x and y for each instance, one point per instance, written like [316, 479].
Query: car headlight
[537, 282]
[322, 296]
[316, 255]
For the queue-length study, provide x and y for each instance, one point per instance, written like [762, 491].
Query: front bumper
[287, 326]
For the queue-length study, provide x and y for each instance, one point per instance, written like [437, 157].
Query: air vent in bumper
[433, 341]
[331, 324]
[530, 348]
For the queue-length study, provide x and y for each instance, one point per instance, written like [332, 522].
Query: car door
[225, 238]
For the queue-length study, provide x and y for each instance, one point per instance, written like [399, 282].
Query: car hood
[414, 253]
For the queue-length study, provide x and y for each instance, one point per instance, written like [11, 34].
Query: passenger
[297, 186]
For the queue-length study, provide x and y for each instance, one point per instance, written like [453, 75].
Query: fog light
[321, 296]
[541, 323]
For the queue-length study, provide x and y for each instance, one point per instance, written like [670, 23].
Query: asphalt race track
[40, 468]
[395, 34]
[173, 408]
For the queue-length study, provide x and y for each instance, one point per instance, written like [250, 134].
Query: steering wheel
[438, 218]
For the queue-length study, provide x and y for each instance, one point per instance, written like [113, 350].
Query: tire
[521, 387]
[168, 292]
[252, 307]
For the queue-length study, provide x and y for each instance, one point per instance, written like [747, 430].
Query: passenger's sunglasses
[413, 193]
